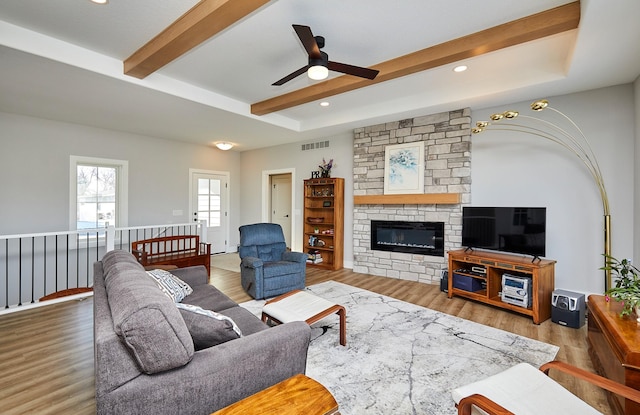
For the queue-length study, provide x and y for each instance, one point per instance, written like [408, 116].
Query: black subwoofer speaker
[444, 281]
[567, 308]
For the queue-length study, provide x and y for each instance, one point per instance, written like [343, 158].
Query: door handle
[286, 216]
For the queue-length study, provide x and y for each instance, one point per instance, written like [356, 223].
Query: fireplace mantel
[409, 199]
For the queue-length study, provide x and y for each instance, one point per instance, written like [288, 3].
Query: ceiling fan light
[224, 146]
[318, 72]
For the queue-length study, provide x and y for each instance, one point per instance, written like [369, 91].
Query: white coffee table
[300, 305]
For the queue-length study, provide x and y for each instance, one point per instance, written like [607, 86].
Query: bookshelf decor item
[324, 222]
[325, 168]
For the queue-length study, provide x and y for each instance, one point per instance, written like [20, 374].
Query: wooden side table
[614, 348]
[298, 395]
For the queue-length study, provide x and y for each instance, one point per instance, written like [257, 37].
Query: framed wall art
[404, 168]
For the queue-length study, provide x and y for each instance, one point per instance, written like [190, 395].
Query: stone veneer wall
[447, 138]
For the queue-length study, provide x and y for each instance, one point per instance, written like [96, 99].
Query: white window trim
[123, 187]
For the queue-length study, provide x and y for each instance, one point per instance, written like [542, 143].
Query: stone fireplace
[447, 139]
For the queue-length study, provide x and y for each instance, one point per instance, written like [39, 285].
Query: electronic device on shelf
[479, 270]
[519, 230]
[516, 290]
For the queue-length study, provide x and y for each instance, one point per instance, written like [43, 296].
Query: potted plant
[325, 168]
[627, 286]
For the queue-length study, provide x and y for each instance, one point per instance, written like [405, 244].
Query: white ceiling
[62, 60]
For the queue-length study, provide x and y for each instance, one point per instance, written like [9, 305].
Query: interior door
[281, 204]
[209, 202]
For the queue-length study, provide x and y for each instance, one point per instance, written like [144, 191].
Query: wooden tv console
[486, 288]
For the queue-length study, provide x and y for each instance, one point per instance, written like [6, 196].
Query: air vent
[315, 146]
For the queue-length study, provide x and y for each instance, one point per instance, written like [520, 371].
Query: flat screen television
[519, 230]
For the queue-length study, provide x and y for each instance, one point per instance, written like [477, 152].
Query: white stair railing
[38, 264]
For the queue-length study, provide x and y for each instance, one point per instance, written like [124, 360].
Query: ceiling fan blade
[308, 40]
[353, 70]
[291, 76]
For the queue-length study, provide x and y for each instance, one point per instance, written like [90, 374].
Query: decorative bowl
[315, 220]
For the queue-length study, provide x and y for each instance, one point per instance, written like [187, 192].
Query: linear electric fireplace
[424, 238]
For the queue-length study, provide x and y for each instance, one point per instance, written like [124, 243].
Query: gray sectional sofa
[149, 354]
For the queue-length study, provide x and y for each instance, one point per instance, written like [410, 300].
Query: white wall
[290, 156]
[34, 173]
[636, 188]
[507, 170]
[512, 169]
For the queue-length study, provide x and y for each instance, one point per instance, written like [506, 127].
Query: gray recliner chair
[267, 269]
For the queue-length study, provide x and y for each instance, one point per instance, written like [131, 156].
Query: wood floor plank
[47, 352]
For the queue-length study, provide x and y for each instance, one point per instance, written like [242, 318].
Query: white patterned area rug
[401, 358]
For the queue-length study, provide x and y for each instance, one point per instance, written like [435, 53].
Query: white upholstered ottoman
[300, 305]
[524, 390]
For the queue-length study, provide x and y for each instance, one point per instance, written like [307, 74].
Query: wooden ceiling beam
[536, 26]
[200, 23]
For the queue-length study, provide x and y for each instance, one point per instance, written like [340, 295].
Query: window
[209, 198]
[98, 193]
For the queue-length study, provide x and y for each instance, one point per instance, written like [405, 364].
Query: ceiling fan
[319, 63]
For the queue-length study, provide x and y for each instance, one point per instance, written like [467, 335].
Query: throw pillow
[148, 322]
[157, 338]
[208, 328]
[171, 285]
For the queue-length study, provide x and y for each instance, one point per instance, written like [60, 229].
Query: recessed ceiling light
[324, 104]
[460, 68]
[100, 1]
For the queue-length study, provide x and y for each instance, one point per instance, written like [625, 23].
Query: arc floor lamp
[567, 138]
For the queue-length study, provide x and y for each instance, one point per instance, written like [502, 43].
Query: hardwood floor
[47, 360]
[47, 352]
